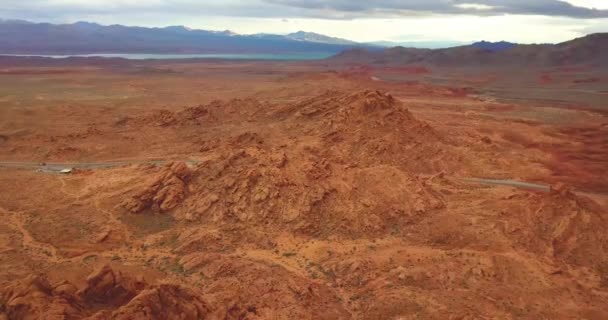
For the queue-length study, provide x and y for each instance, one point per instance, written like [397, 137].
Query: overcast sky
[525, 21]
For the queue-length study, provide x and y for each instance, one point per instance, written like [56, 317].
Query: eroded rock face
[312, 196]
[164, 301]
[562, 190]
[561, 225]
[163, 192]
[36, 298]
[358, 176]
[242, 287]
[110, 287]
[108, 294]
[374, 128]
[203, 114]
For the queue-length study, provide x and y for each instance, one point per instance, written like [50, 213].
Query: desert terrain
[291, 190]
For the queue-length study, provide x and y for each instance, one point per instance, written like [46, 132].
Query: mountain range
[589, 50]
[22, 37]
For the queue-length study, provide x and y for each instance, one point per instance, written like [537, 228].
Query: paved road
[600, 198]
[511, 183]
[52, 167]
[56, 167]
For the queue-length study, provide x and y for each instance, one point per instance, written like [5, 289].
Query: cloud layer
[359, 20]
[325, 9]
[470, 7]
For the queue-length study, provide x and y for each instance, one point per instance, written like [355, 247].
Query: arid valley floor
[283, 190]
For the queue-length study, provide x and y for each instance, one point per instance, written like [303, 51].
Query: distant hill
[418, 44]
[494, 46]
[590, 50]
[22, 37]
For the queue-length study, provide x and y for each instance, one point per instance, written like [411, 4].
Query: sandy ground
[293, 191]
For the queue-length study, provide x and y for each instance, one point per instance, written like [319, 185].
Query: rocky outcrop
[159, 302]
[562, 225]
[108, 294]
[36, 298]
[163, 192]
[110, 287]
[358, 176]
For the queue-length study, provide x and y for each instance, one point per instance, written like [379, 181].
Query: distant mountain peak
[228, 33]
[302, 33]
[86, 23]
[494, 46]
[14, 21]
[185, 29]
[178, 28]
[316, 37]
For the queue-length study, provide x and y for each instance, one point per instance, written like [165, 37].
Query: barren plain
[284, 190]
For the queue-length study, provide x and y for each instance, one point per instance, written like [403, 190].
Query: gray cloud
[325, 9]
[471, 7]
[541, 7]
